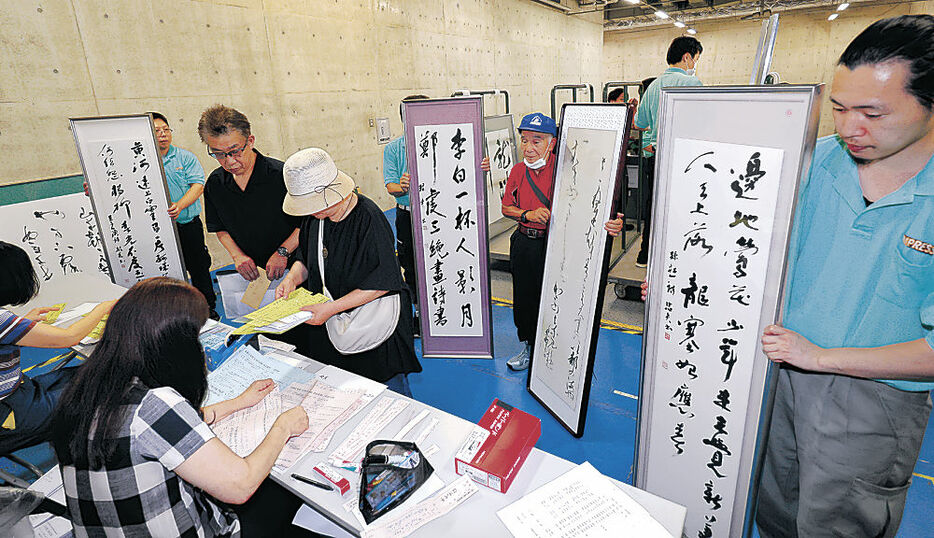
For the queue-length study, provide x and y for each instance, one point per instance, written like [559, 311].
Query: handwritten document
[581, 503]
[581, 206]
[384, 412]
[59, 234]
[81, 310]
[721, 214]
[244, 430]
[499, 146]
[325, 405]
[245, 366]
[128, 187]
[405, 522]
[448, 201]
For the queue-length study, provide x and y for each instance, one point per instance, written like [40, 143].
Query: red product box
[496, 448]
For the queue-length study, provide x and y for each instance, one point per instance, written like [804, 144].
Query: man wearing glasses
[243, 197]
[185, 179]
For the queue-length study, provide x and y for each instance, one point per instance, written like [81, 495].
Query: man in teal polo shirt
[858, 337]
[682, 57]
[185, 178]
[396, 178]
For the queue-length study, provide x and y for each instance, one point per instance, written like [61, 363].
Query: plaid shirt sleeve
[168, 428]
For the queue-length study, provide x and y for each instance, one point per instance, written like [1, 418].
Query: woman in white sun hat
[360, 266]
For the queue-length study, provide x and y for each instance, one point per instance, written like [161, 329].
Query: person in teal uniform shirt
[857, 339]
[683, 55]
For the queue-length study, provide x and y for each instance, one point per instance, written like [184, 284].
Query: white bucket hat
[313, 182]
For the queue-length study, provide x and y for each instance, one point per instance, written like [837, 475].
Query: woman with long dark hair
[26, 403]
[137, 455]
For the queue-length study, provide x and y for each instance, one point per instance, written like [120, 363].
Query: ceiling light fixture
[680, 24]
[633, 2]
[692, 31]
[843, 6]
[833, 16]
[661, 14]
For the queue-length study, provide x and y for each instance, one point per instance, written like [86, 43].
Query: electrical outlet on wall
[383, 133]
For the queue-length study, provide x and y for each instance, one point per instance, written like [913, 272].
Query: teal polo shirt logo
[919, 245]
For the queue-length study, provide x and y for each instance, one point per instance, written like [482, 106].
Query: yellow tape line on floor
[924, 476]
[631, 329]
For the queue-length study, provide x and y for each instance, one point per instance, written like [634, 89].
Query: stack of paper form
[581, 503]
[281, 314]
[331, 398]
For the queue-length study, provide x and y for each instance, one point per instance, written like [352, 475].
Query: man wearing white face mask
[529, 191]
[682, 57]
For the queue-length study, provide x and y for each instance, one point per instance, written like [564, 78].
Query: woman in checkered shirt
[138, 458]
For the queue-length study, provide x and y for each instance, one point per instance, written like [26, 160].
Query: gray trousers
[840, 456]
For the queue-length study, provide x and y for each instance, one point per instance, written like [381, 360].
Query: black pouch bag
[390, 472]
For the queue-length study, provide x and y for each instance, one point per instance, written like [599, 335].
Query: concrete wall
[306, 72]
[806, 49]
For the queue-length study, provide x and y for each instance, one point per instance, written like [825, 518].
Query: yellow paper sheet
[10, 422]
[53, 314]
[286, 306]
[98, 331]
[279, 310]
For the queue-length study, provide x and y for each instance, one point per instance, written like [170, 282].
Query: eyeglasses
[160, 130]
[222, 155]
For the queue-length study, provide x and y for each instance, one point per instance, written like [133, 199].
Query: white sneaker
[520, 361]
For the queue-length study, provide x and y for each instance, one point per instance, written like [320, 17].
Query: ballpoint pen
[315, 483]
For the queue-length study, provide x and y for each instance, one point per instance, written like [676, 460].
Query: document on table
[267, 345]
[384, 412]
[244, 430]
[324, 405]
[47, 525]
[405, 522]
[245, 366]
[581, 503]
[345, 380]
[213, 335]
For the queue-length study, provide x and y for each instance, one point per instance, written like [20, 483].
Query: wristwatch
[282, 251]
[522, 217]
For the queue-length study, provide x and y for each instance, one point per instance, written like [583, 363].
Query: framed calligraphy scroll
[500, 139]
[727, 175]
[123, 169]
[52, 220]
[591, 163]
[444, 147]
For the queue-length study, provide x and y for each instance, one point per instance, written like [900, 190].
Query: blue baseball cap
[540, 123]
